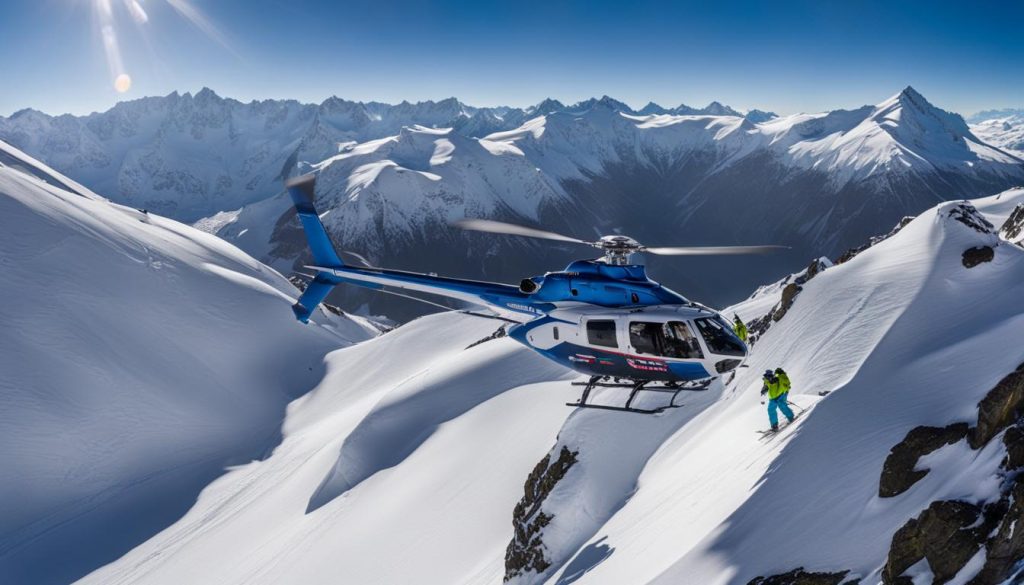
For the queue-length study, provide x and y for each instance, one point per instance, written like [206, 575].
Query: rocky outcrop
[1013, 228]
[757, 327]
[526, 551]
[950, 532]
[501, 332]
[800, 577]
[898, 471]
[967, 214]
[1000, 408]
[852, 252]
[978, 255]
[947, 535]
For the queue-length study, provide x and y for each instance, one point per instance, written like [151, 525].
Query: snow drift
[139, 359]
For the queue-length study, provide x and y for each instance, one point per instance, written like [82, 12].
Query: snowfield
[169, 422]
[140, 357]
[405, 461]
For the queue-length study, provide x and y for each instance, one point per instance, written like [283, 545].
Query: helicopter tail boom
[503, 299]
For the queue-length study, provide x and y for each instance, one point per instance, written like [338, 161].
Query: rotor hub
[618, 249]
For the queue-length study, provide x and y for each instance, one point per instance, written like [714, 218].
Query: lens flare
[105, 19]
[123, 83]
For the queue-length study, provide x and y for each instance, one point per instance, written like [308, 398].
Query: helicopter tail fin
[315, 293]
[301, 190]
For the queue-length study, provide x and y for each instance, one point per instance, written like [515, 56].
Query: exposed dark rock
[852, 252]
[1013, 228]
[898, 473]
[1013, 439]
[999, 408]
[977, 255]
[966, 214]
[788, 296]
[526, 551]
[1005, 549]
[947, 534]
[496, 335]
[800, 577]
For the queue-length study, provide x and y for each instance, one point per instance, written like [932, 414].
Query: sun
[123, 83]
[106, 21]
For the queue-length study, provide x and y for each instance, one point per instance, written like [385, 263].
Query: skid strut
[636, 386]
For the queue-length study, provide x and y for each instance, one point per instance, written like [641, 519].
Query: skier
[739, 328]
[777, 389]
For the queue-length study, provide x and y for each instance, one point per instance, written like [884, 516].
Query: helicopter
[604, 317]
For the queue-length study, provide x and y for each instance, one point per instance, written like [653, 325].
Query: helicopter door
[674, 339]
[602, 333]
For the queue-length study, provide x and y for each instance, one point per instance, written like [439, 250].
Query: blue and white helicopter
[604, 317]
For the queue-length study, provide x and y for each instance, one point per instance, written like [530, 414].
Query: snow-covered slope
[406, 462]
[139, 358]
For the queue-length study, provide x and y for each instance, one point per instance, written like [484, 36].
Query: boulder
[947, 534]
[898, 473]
[1014, 226]
[800, 577]
[978, 255]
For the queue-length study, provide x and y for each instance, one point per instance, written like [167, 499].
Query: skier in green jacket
[739, 327]
[776, 386]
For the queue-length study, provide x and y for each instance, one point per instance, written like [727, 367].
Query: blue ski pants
[779, 403]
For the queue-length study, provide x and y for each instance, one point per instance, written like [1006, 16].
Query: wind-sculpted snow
[407, 460]
[140, 357]
[407, 415]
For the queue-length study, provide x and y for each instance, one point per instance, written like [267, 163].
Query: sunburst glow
[106, 21]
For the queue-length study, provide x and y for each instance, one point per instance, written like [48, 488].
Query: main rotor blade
[499, 227]
[713, 250]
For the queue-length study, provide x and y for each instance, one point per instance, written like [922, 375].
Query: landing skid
[637, 387]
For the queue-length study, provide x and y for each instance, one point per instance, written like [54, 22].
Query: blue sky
[786, 57]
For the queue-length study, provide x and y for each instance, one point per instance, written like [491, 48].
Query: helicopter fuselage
[666, 343]
[601, 317]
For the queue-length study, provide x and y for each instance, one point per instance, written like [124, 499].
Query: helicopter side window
[718, 339]
[673, 339]
[646, 337]
[602, 333]
[681, 340]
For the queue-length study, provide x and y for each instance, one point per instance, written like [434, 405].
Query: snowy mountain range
[170, 422]
[394, 176]
[1002, 128]
[190, 156]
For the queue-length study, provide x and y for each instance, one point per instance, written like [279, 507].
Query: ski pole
[802, 409]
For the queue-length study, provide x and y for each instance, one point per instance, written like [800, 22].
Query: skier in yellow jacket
[776, 386]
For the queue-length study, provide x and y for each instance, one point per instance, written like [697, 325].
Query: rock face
[999, 409]
[526, 551]
[1014, 226]
[978, 255]
[800, 577]
[966, 214]
[898, 473]
[949, 533]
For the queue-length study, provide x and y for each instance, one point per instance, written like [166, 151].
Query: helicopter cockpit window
[673, 339]
[602, 333]
[718, 339]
